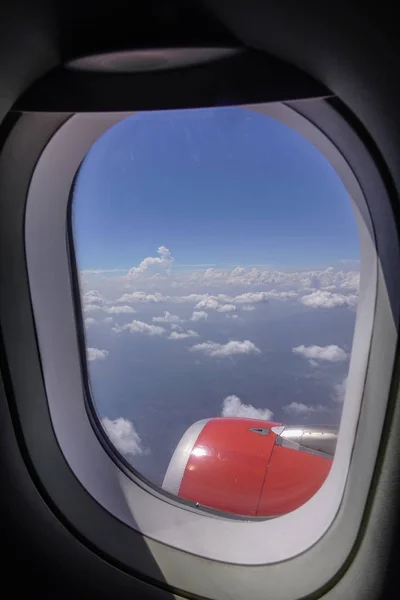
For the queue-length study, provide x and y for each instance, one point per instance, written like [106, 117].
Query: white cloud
[326, 299]
[88, 308]
[233, 407]
[248, 307]
[96, 354]
[153, 264]
[340, 391]
[175, 335]
[191, 298]
[207, 303]
[167, 318]
[330, 353]
[199, 316]
[116, 310]
[350, 281]
[282, 295]
[226, 308]
[220, 302]
[90, 321]
[297, 408]
[232, 317]
[123, 435]
[164, 253]
[251, 297]
[224, 350]
[108, 320]
[140, 327]
[92, 297]
[143, 297]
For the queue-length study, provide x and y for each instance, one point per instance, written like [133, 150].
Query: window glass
[218, 257]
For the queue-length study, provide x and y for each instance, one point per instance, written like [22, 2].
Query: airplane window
[218, 259]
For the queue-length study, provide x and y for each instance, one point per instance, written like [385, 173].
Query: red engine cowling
[250, 467]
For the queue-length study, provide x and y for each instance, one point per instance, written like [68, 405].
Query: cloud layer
[154, 280]
[211, 298]
[250, 277]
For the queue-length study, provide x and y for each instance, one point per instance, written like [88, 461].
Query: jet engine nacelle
[250, 467]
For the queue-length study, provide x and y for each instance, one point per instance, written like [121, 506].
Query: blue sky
[223, 186]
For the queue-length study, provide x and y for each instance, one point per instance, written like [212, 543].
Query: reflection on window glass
[219, 272]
